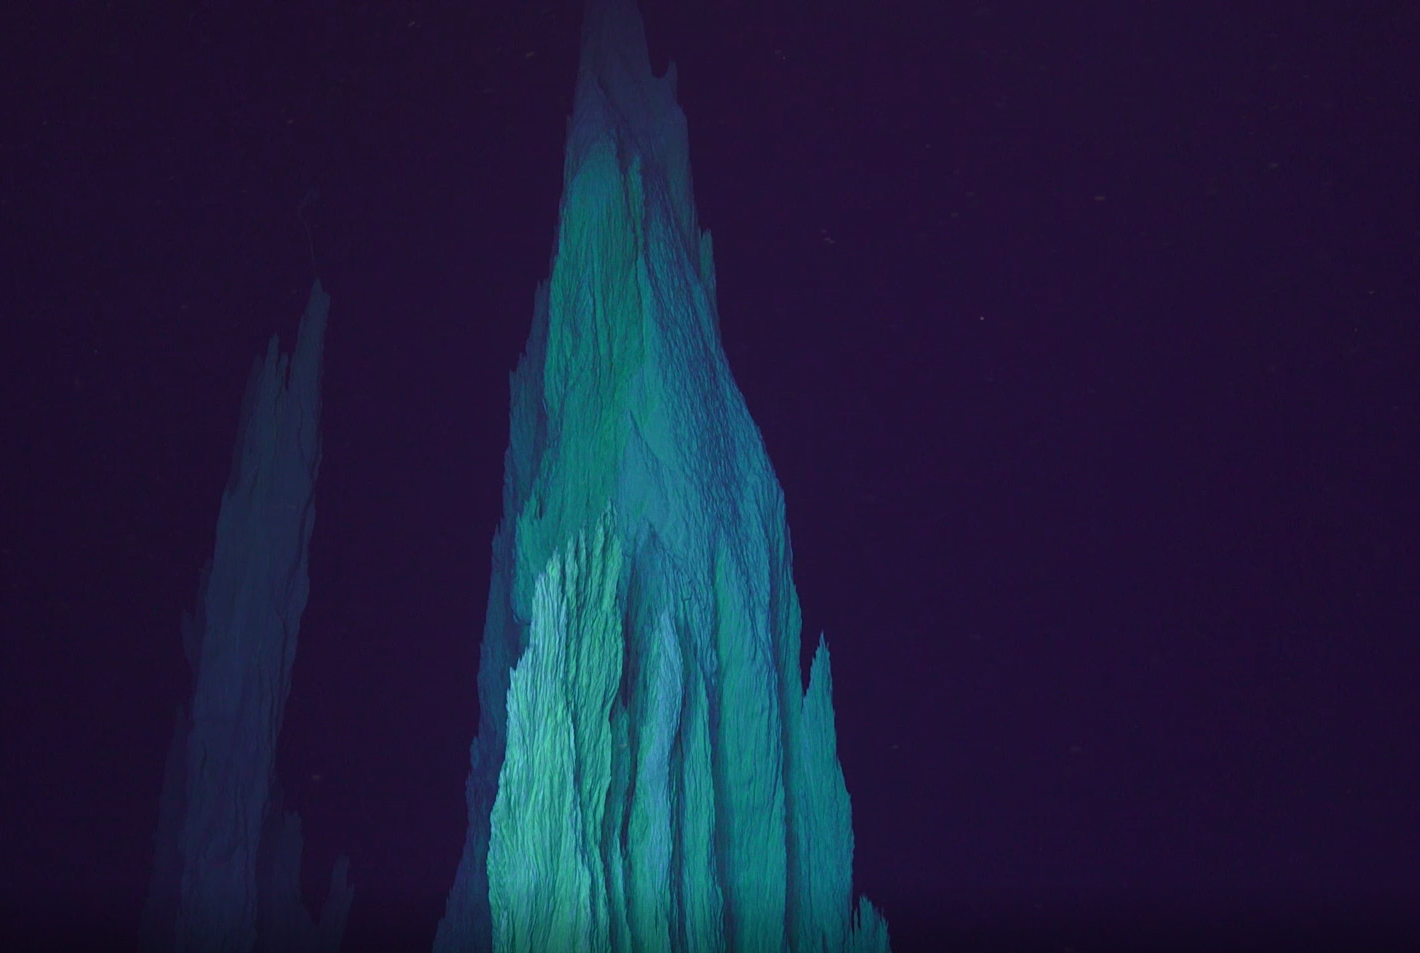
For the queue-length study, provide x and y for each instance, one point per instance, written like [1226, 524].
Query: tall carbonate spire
[650, 773]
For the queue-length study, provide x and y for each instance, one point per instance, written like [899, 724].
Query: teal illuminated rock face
[650, 773]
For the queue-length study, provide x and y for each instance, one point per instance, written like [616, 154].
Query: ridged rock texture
[650, 773]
